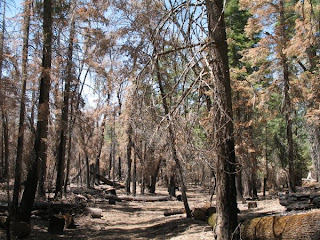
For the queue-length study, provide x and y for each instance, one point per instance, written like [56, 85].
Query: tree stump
[56, 224]
[299, 226]
[19, 230]
[3, 222]
[68, 221]
[252, 205]
[199, 214]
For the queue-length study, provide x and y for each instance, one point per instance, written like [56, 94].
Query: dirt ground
[144, 220]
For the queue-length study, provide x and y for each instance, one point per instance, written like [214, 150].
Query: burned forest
[162, 119]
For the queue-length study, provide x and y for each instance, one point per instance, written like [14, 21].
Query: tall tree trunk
[65, 108]
[18, 168]
[114, 149]
[100, 146]
[172, 139]
[5, 129]
[287, 101]
[69, 155]
[134, 175]
[5, 139]
[154, 175]
[87, 169]
[110, 162]
[314, 135]
[2, 157]
[39, 155]
[227, 221]
[129, 160]
[266, 175]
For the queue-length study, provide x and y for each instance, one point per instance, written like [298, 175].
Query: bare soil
[143, 220]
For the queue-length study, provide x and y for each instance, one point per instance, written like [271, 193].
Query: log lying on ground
[108, 182]
[299, 201]
[298, 226]
[174, 212]
[145, 198]
[95, 212]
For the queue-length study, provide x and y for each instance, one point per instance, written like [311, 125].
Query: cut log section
[298, 226]
[95, 212]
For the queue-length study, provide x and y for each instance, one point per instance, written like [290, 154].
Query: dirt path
[141, 220]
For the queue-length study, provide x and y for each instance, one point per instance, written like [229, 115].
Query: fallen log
[174, 212]
[95, 212]
[145, 198]
[108, 182]
[298, 226]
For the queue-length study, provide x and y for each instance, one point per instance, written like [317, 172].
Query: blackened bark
[223, 124]
[119, 168]
[129, 160]
[134, 175]
[172, 185]
[154, 176]
[18, 168]
[65, 111]
[69, 156]
[100, 146]
[5, 133]
[5, 129]
[39, 155]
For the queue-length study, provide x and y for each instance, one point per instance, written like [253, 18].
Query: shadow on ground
[166, 230]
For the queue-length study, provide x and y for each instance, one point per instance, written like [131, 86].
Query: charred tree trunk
[153, 180]
[5, 133]
[223, 123]
[39, 155]
[65, 110]
[266, 176]
[129, 160]
[18, 168]
[5, 129]
[87, 170]
[110, 162]
[172, 185]
[134, 175]
[101, 143]
[69, 157]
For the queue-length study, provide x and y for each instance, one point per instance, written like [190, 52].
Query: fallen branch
[108, 182]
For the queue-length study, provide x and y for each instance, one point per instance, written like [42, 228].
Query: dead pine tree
[65, 109]
[18, 168]
[40, 144]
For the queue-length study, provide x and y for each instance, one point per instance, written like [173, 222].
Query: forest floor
[143, 220]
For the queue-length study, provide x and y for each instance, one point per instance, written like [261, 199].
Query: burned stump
[56, 224]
